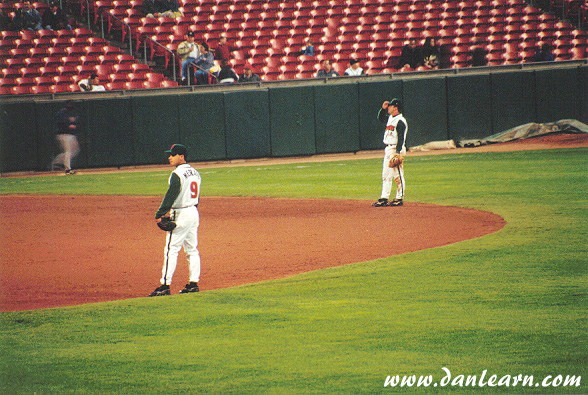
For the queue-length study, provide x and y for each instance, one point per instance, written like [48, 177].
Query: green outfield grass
[511, 303]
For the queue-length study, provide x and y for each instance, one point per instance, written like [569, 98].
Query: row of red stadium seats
[270, 35]
[120, 85]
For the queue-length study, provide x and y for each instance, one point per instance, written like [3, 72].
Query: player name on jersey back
[190, 172]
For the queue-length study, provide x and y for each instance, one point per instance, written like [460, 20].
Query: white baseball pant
[391, 175]
[184, 235]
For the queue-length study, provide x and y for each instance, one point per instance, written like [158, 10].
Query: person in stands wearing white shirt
[354, 69]
[91, 84]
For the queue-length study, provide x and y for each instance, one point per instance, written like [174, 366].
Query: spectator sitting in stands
[149, 9]
[5, 21]
[170, 9]
[478, 57]
[27, 18]
[188, 51]
[411, 55]
[55, 19]
[226, 74]
[91, 84]
[249, 76]
[308, 49]
[203, 63]
[327, 70]
[544, 54]
[431, 54]
[354, 69]
[224, 49]
[161, 8]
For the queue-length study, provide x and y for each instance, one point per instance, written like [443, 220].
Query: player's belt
[179, 208]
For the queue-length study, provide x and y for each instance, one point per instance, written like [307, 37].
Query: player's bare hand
[168, 215]
[385, 104]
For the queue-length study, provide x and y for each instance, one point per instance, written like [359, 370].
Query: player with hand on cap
[395, 139]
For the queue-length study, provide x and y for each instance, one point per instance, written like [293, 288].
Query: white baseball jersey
[190, 181]
[185, 213]
[391, 134]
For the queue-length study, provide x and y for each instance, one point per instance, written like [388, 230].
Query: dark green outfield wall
[278, 121]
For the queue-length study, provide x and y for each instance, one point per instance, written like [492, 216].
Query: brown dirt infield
[67, 255]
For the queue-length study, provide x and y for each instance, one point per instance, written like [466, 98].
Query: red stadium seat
[67, 70]
[71, 60]
[21, 90]
[135, 85]
[75, 51]
[562, 54]
[90, 60]
[137, 76]
[45, 42]
[59, 88]
[92, 51]
[11, 72]
[30, 72]
[34, 62]
[53, 61]
[62, 42]
[17, 53]
[103, 70]
[65, 33]
[28, 35]
[63, 80]
[168, 84]
[124, 58]
[139, 67]
[9, 35]
[578, 52]
[44, 81]
[24, 81]
[118, 77]
[8, 82]
[122, 68]
[78, 42]
[119, 85]
[108, 59]
[155, 77]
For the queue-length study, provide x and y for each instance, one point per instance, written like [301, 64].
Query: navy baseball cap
[396, 103]
[177, 149]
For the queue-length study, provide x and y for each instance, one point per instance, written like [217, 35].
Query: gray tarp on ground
[529, 130]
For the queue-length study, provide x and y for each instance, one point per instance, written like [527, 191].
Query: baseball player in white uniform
[181, 204]
[394, 138]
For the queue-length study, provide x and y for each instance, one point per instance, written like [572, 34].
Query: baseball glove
[396, 160]
[166, 224]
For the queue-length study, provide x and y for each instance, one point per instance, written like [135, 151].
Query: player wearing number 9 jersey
[181, 204]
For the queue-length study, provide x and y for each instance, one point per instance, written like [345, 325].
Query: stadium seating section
[270, 36]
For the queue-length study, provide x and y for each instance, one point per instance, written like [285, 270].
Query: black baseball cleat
[191, 287]
[162, 290]
[396, 202]
[381, 203]
[70, 172]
